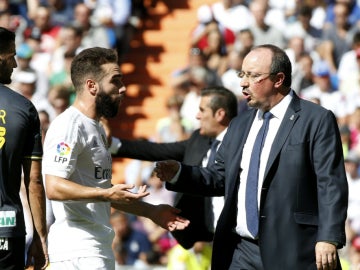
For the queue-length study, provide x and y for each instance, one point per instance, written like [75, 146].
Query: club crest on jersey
[63, 149]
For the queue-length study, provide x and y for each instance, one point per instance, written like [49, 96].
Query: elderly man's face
[257, 83]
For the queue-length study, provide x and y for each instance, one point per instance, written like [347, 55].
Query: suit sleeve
[145, 150]
[332, 188]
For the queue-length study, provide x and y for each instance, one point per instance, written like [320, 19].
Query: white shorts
[88, 263]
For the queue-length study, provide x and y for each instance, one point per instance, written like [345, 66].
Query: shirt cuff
[176, 177]
[115, 145]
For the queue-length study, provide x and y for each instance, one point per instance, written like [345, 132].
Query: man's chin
[5, 81]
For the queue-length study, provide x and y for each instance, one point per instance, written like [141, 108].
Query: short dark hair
[306, 11]
[89, 62]
[222, 98]
[7, 37]
[280, 62]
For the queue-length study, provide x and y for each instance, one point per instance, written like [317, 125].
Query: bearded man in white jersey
[77, 166]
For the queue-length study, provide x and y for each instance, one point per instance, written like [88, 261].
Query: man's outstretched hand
[167, 169]
[168, 217]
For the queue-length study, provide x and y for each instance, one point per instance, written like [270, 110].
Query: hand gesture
[166, 170]
[167, 217]
[121, 193]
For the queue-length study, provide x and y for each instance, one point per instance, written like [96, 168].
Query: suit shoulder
[314, 108]
[196, 137]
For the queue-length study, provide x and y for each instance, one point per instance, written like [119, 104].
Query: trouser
[246, 256]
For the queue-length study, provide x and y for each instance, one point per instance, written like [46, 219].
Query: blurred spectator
[244, 40]
[352, 6]
[137, 172]
[196, 258]
[129, 243]
[59, 97]
[294, 49]
[69, 41]
[44, 27]
[116, 15]
[352, 162]
[345, 138]
[338, 38]
[151, 260]
[26, 82]
[12, 21]
[349, 73]
[62, 11]
[158, 193]
[24, 57]
[226, 12]
[354, 256]
[280, 12]
[263, 32]
[173, 127]
[40, 59]
[302, 28]
[93, 34]
[190, 106]
[330, 98]
[182, 79]
[304, 77]
[62, 77]
[207, 24]
[215, 52]
[319, 12]
[354, 126]
[230, 78]
[301, 62]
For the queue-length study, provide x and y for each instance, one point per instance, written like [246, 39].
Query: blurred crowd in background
[321, 38]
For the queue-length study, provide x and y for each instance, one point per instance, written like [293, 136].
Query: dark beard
[5, 78]
[105, 106]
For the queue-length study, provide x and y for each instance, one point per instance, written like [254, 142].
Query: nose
[122, 89]
[244, 81]
[198, 116]
[14, 63]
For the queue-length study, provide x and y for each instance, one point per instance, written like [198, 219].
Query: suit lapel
[286, 126]
[238, 136]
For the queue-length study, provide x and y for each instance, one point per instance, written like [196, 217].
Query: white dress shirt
[278, 113]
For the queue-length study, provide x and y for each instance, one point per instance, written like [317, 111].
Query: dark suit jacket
[304, 195]
[195, 208]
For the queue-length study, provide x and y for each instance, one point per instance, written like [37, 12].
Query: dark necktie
[212, 155]
[251, 201]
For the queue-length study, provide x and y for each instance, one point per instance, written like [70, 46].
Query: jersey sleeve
[62, 145]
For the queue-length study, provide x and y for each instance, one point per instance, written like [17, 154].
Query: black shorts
[12, 253]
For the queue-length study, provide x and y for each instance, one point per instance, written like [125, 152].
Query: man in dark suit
[218, 106]
[302, 189]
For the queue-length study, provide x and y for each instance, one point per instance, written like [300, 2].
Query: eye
[241, 74]
[117, 81]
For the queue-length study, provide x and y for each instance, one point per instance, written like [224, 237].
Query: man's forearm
[138, 208]
[36, 197]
